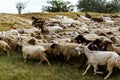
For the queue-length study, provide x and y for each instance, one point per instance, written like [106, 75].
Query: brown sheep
[115, 40]
[110, 47]
[66, 50]
[4, 47]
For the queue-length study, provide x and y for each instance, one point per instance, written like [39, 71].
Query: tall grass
[13, 68]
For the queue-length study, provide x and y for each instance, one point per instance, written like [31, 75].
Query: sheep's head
[54, 46]
[20, 41]
[112, 38]
[32, 41]
[79, 49]
[107, 42]
[33, 17]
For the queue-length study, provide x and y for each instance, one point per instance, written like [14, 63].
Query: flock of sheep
[62, 38]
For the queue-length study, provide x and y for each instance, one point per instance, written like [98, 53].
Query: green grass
[13, 68]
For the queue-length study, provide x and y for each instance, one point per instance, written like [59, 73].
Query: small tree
[58, 6]
[20, 6]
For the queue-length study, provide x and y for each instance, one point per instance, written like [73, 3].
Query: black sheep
[81, 39]
[87, 15]
[96, 45]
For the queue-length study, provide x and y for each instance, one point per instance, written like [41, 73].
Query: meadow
[13, 67]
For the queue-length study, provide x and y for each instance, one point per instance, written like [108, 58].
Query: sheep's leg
[40, 61]
[89, 65]
[44, 58]
[7, 53]
[47, 61]
[25, 57]
[63, 61]
[68, 60]
[95, 70]
[68, 57]
[83, 61]
[109, 73]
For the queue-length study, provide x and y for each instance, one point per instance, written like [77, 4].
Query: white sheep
[35, 51]
[61, 40]
[12, 32]
[95, 58]
[53, 29]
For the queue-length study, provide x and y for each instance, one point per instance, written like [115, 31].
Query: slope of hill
[24, 20]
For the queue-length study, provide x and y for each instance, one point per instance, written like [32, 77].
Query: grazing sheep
[4, 47]
[95, 58]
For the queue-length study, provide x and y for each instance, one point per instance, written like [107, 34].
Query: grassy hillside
[13, 68]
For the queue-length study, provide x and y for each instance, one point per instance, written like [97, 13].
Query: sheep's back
[103, 57]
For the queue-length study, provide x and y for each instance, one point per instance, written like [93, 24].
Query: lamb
[95, 58]
[4, 47]
[35, 51]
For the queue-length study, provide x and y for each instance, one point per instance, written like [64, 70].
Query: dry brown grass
[24, 20]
